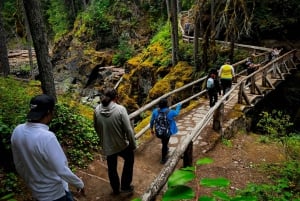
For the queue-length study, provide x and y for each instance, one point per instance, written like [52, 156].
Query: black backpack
[161, 123]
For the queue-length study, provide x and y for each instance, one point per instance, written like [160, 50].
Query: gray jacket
[113, 127]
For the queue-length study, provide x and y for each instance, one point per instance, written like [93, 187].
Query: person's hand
[81, 191]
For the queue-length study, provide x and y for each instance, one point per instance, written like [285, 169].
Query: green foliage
[186, 51]
[8, 8]
[275, 124]
[293, 146]
[14, 106]
[9, 185]
[124, 52]
[97, 18]
[264, 139]
[181, 176]
[286, 178]
[76, 134]
[58, 18]
[273, 17]
[163, 37]
[8, 197]
[227, 142]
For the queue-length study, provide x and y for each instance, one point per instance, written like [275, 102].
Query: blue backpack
[161, 123]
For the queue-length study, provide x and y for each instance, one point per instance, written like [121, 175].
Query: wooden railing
[276, 69]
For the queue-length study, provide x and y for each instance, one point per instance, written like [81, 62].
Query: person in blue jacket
[163, 106]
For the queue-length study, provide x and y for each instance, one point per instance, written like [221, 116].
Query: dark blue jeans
[126, 178]
[67, 197]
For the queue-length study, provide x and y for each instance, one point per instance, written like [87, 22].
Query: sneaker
[127, 190]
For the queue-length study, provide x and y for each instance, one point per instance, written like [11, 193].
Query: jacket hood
[108, 110]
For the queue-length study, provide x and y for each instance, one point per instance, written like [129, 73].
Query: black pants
[165, 148]
[213, 96]
[126, 178]
[249, 71]
[226, 85]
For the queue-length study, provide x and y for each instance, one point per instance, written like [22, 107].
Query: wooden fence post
[188, 156]
[218, 118]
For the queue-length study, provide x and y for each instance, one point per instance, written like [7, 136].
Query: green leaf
[8, 196]
[189, 168]
[221, 195]
[204, 161]
[178, 193]
[215, 182]
[137, 199]
[206, 198]
[180, 177]
[243, 198]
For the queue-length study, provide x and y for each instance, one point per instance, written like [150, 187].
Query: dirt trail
[237, 160]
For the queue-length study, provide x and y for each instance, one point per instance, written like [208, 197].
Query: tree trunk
[28, 42]
[213, 32]
[232, 41]
[39, 37]
[179, 6]
[196, 42]
[174, 24]
[205, 47]
[4, 63]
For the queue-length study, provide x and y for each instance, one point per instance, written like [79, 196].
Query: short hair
[109, 94]
[163, 103]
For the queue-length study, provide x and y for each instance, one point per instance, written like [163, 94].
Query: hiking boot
[127, 190]
[115, 193]
[163, 160]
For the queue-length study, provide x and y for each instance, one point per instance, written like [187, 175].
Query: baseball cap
[40, 105]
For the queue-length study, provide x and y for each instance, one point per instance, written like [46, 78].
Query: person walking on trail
[117, 138]
[275, 53]
[213, 87]
[226, 74]
[251, 68]
[170, 114]
[38, 156]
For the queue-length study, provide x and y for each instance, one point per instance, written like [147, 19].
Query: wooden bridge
[150, 176]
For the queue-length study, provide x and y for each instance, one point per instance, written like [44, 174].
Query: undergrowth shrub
[75, 133]
[284, 187]
[278, 127]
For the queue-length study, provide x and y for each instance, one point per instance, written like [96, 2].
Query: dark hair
[163, 103]
[109, 94]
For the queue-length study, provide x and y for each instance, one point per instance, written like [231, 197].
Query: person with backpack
[213, 87]
[163, 125]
